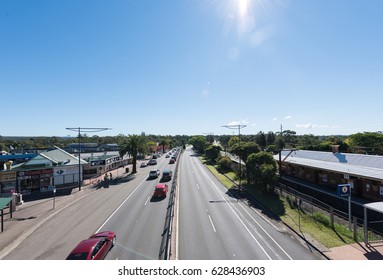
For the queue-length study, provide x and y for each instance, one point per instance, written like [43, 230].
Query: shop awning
[4, 201]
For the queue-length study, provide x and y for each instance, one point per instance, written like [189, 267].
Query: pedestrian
[110, 176]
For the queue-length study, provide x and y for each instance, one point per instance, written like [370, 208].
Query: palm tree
[164, 143]
[133, 145]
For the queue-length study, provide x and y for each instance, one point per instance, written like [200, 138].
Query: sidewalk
[31, 214]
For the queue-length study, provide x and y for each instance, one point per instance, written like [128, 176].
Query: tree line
[366, 142]
[256, 151]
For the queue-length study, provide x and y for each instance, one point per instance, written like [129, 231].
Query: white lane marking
[197, 186]
[147, 200]
[235, 214]
[119, 206]
[275, 242]
[211, 222]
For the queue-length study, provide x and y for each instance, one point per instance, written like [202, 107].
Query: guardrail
[165, 248]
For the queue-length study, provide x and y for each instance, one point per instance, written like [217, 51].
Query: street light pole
[84, 129]
[238, 126]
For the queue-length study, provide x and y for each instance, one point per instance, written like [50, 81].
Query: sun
[243, 7]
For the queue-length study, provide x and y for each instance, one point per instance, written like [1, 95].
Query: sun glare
[243, 6]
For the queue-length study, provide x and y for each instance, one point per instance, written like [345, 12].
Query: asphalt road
[125, 207]
[214, 224]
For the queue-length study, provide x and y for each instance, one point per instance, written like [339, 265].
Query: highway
[213, 224]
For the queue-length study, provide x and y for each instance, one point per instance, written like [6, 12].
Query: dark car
[96, 247]
[171, 161]
[160, 190]
[166, 175]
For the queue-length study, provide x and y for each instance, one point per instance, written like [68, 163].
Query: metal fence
[166, 245]
[318, 209]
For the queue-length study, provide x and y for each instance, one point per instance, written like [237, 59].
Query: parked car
[171, 161]
[143, 164]
[154, 173]
[166, 175]
[160, 190]
[96, 247]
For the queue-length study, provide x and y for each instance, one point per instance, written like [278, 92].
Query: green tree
[224, 164]
[367, 142]
[133, 145]
[262, 169]
[224, 141]
[198, 143]
[260, 139]
[165, 142]
[212, 152]
[243, 150]
[233, 140]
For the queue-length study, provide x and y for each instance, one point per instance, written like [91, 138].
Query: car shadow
[156, 199]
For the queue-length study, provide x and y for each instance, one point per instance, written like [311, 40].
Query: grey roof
[376, 206]
[365, 166]
[352, 159]
[58, 155]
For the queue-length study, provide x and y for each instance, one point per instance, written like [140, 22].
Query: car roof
[86, 245]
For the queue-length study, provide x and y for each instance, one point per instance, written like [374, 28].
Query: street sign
[344, 190]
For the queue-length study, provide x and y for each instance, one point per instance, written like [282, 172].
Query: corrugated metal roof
[352, 159]
[365, 166]
[58, 155]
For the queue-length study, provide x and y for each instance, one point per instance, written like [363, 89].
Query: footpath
[33, 213]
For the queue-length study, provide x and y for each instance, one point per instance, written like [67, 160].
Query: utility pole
[79, 130]
[238, 126]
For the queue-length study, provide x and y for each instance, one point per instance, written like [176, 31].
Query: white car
[144, 164]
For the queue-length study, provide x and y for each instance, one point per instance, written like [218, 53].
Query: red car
[96, 247]
[160, 190]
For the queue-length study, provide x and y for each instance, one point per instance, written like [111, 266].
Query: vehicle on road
[171, 161]
[160, 190]
[154, 173]
[166, 175]
[96, 247]
[143, 164]
[152, 162]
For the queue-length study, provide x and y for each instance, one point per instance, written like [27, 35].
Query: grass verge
[317, 225]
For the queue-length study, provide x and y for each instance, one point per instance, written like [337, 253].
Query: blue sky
[190, 66]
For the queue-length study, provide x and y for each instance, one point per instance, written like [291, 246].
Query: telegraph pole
[237, 126]
[79, 130]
